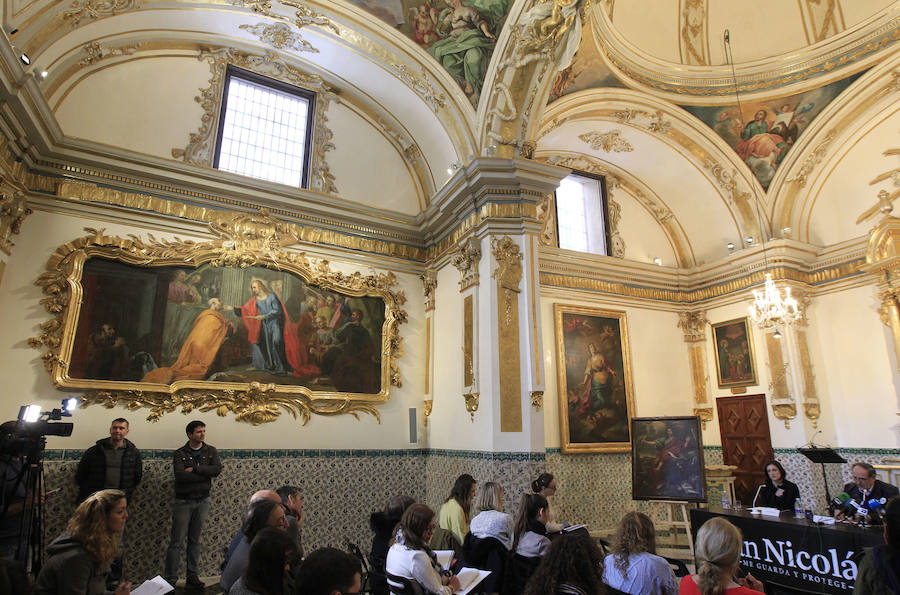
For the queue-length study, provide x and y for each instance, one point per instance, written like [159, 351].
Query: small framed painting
[735, 363]
[667, 459]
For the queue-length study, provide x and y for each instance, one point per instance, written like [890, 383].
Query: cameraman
[15, 499]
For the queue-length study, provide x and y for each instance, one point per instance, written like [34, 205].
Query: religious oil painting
[596, 394]
[763, 132]
[237, 324]
[734, 353]
[667, 459]
[218, 324]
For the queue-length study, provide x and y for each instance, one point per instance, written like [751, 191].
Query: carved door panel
[746, 442]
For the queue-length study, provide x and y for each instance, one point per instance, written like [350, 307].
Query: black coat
[768, 498]
[195, 484]
[91, 473]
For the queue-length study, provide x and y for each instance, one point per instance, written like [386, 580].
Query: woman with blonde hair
[490, 520]
[633, 566]
[718, 554]
[80, 557]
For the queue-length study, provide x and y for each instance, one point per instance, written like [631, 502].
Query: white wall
[26, 381]
[660, 369]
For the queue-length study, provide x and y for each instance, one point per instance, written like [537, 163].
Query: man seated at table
[865, 487]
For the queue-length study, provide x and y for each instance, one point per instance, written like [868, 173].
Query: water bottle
[798, 508]
[726, 503]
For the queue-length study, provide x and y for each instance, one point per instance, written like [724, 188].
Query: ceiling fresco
[587, 70]
[768, 129]
[460, 34]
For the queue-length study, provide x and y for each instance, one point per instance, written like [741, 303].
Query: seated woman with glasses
[410, 557]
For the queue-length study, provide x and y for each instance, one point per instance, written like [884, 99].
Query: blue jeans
[188, 517]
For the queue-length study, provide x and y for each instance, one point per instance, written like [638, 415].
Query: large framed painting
[236, 324]
[596, 394]
[735, 364]
[667, 459]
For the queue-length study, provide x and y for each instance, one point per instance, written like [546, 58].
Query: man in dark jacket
[113, 462]
[194, 464]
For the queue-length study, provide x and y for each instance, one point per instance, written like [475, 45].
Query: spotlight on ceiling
[730, 246]
[777, 334]
[657, 261]
[23, 57]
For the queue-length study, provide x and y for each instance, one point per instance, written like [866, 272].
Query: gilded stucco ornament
[508, 272]
[654, 122]
[303, 17]
[537, 399]
[727, 181]
[471, 400]
[421, 86]
[465, 259]
[429, 284]
[694, 38]
[693, 324]
[280, 36]
[88, 10]
[705, 414]
[785, 412]
[242, 240]
[201, 144]
[13, 211]
[611, 142]
[547, 216]
[96, 52]
[426, 410]
[812, 160]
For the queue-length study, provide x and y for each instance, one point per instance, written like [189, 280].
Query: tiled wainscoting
[340, 489]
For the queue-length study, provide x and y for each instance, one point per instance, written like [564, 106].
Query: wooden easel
[671, 522]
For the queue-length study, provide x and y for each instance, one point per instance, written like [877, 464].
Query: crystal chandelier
[769, 309]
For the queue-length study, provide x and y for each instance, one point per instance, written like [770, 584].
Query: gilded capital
[785, 412]
[429, 282]
[705, 414]
[694, 325]
[13, 211]
[508, 272]
[466, 259]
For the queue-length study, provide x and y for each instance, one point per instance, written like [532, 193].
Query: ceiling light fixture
[769, 308]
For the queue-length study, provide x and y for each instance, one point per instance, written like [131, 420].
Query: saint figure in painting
[466, 45]
[275, 344]
[198, 353]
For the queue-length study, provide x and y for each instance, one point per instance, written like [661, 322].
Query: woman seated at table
[411, 558]
[717, 550]
[634, 567]
[778, 492]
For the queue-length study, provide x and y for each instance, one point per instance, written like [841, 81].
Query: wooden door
[746, 443]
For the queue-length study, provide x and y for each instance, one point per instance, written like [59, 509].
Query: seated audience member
[239, 535]
[879, 569]
[530, 542]
[328, 571]
[409, 556]
[717, 550]
[292, 500]
[270, 555]
[633, 566]
[490, 520]
[573, 566]
[79, 559]
[261, 514]
[383, 523]
[13, 578]
[455, 512]
[778, 492]
[865, 487]
[546, 485]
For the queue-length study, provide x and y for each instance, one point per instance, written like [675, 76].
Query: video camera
[24, 435]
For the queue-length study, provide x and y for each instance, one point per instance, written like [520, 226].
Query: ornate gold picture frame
[735, 360]
[235, 324]
[596, 393]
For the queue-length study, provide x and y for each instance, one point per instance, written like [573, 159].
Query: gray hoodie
[70, 570]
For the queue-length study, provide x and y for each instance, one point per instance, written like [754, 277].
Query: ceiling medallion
[280, 36]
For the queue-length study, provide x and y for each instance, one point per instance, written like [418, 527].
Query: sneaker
[194, 582]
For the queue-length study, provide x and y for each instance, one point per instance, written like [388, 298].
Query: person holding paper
[778, 492]
[411, 558]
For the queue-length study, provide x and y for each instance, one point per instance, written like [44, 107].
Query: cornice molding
[848, 52]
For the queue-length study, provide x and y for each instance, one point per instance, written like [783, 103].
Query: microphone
[874, 503]
[840, 501]
[761, 486]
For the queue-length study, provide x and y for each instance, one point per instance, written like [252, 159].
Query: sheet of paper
[574, 528]
[154, 586]
[444, 557]
[469, 579]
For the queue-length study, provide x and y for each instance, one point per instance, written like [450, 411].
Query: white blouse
[415, 565]
[493, 523]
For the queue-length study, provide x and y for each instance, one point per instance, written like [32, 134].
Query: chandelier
[769, 309]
